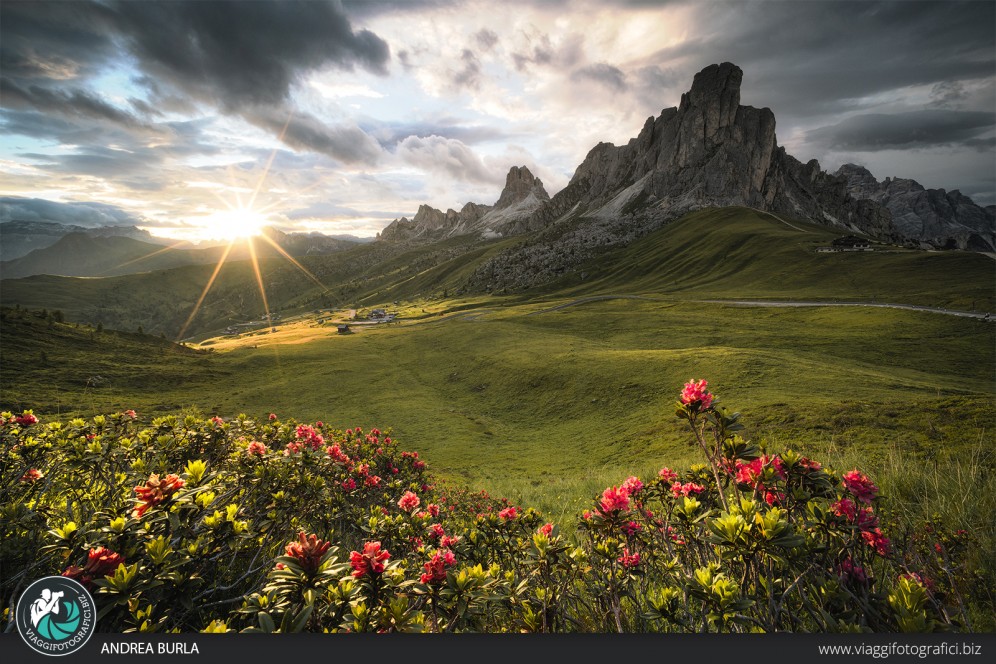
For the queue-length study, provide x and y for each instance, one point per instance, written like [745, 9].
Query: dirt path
[775, 216]
[911, 307]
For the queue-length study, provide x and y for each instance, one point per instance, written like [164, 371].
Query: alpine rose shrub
[188, 524]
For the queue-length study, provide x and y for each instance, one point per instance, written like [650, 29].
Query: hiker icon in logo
[56, 616]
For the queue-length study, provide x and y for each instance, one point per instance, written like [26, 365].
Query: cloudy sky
[166, 113]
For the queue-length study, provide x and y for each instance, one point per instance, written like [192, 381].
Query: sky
[339, 116]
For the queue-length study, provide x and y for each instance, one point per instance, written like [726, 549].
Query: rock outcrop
[935, 217]
[522, 196]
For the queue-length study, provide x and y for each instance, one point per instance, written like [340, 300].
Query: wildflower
[633, 485]
[433, 509]
[667, 475]
[292, 448]
[256, 448]
[26, 419]
[131, 414]
[418, 465]
[371, 561]
[508, 514]
[809, 464]
[849, 571]
[100, 562]
[546, 529]
[337, 454]
[372, 481]
[349, 484]
[217, 421]
[446, 541]
[436, 531]
[408, 502]
[678, 489]
[877, 541]
[629, 560]
[860, 486]
[32, 475]
[614, 499]
[154, 492]
[272, 416]
[309, 436]
[435, 569]
[695, 395]
[632, 528]
[308, 551]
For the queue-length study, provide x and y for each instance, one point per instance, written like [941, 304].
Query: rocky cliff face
[522, 196]
[933, 216]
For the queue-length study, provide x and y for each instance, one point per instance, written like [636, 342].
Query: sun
[234, 224]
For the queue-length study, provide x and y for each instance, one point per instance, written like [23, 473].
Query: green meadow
[548, 404]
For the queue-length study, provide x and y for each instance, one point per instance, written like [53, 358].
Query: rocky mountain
[522, 196]
[934, 216]
[18, 237]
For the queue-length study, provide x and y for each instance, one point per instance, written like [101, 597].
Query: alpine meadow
[264, 368]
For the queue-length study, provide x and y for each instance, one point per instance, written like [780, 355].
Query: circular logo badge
[56, 616]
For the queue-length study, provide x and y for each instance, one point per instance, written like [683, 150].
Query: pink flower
[435, 569]
[860, 486]
[614, 499]
[349, 484]
[372, 481]
[447, 541]
[155, 491]
[433, 509]
[337, 454]
[130, 413]
[309, 436]
[436, 531]
[308, 551]
[849, 571]
[679, 489]
[546, 529]
[26, 419]
[272, 416]
[667, 475]
[629, 560]
[256, 448]
[632, 528]
[633, 485]
[877, 541]
[409, 502]
[32, 475]
[695, 395]
[508, 514]
[371, 561]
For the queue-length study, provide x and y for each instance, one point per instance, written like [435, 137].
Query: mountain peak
[519, 183]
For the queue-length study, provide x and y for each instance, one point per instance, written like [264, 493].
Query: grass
[547, 409]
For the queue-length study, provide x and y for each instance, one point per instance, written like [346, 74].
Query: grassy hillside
[548, 404]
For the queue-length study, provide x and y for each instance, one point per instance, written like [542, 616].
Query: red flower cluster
[349, 484]
[154, 492]
[435, 569]
[371, 561]
[863, 517]
[860, 486]
[132, 414]
[850, 571]
[508, 514]
[633, 485]
[32, 475]
[337, 454]
[308, 551]
[632, 528]
[629, 560]
[695, 395]
[256, 448]
[614, 499]
[307, 435]
[26, 419]
[667, 475]
[876, 540]
[100, 562]
[546, 529]
[678, 489]
[409, 502]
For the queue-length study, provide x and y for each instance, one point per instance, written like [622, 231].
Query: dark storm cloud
[70, 102]
[89, 215]
[302, 131]
[486, 39]
[601, 72]
[902, 131]
[244, 52]
[811, 58]
[100, 162]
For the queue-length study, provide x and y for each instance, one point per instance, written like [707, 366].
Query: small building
[851, 243]
[343, 329]
[377, 314]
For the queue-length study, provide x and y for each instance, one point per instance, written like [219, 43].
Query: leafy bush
[188, 524]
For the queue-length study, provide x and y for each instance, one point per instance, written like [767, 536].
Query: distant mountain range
[708, 152]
